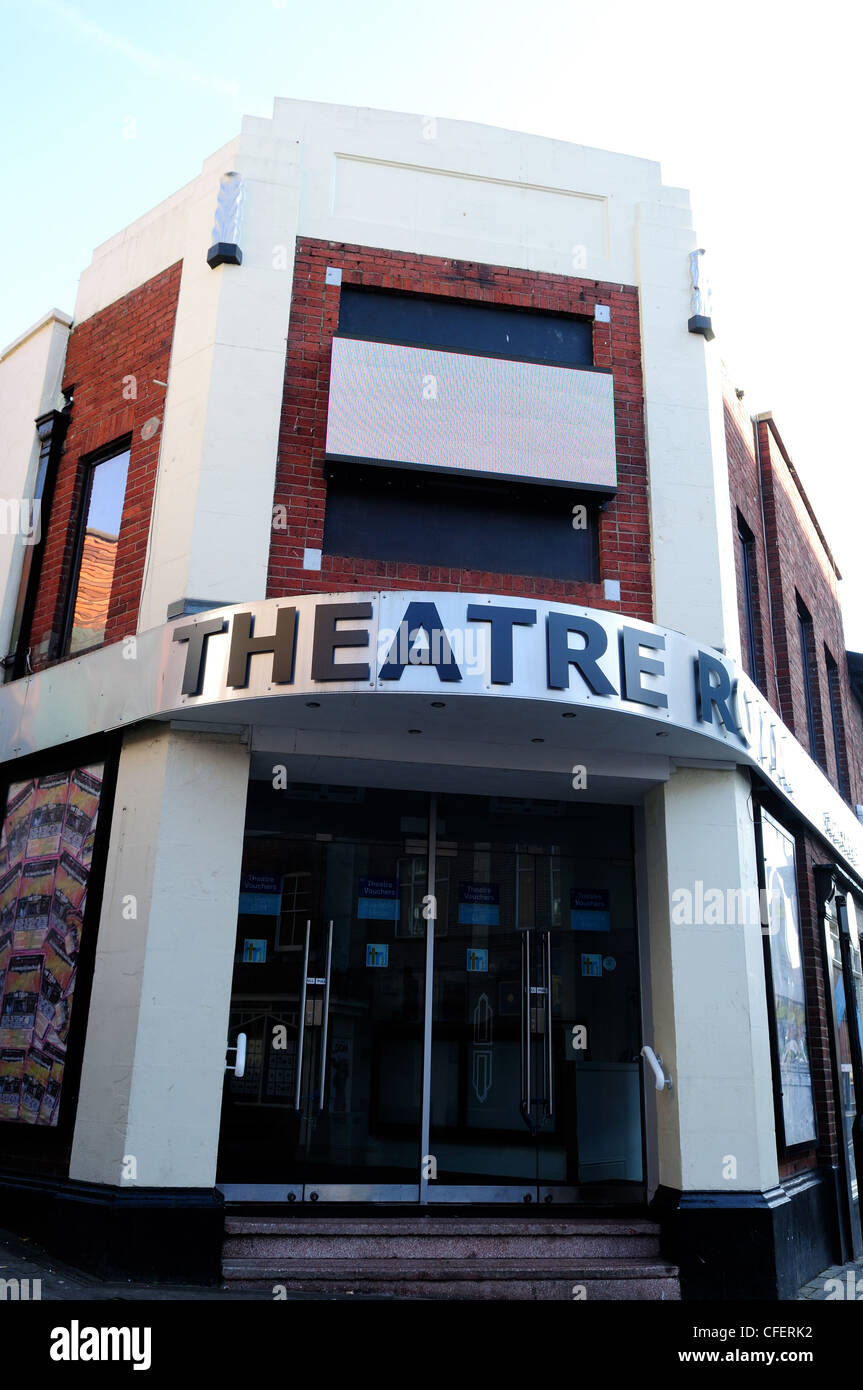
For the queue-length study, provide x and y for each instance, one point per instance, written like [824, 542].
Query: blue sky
[109, 107]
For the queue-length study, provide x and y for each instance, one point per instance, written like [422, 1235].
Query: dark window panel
[840, 752]
[809, 669]
[460, 528]
[479, 328]
[746, 543]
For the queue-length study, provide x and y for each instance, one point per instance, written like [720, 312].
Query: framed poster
[46, 850]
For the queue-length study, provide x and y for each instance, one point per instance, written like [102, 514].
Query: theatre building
[432, 858]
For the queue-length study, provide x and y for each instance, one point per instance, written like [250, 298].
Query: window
[786, 987]
[96, 552]
[810, 680]
[746, 544]
[840, 752]
[51, 429]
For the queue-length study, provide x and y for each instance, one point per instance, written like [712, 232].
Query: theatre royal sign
[228, 665]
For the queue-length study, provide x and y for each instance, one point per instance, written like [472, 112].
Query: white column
[212, 513]
[154, 1058]
[695, 588]
[716, 1129]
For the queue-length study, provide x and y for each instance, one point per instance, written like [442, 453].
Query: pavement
[825, 1286]
[21, 1258]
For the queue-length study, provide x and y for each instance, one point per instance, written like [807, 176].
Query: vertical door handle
[302, 1029]
[525, 1030]
[326, 1019]
[549, 1050]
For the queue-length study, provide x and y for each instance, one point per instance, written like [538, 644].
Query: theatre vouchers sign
[223, 663]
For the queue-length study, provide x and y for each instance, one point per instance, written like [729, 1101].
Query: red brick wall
[624, 532]
[796, 560]
[799, 563]
[130, 338]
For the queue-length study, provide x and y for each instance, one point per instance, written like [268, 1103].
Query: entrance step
[431, 1257]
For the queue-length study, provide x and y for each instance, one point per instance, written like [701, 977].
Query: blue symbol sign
[377, 956]
[477, 959]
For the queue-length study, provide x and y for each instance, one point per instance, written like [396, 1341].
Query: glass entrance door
[328, 988]
[535, 1075]
[522, 1084]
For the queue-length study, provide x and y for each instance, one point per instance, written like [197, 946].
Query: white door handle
[663, 1081]
[239, 1066]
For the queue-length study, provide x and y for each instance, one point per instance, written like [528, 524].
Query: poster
[46, 848]
[260, 895]
[478, 905]
[589, 909]
[378, 900]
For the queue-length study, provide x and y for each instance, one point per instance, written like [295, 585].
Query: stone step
[563, 1279]
[452, 1243]
[407, 1225]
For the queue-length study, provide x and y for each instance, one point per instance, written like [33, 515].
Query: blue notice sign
[260, 883]
[589, 909]
[378, 900]
[478, 905]
[260, 895]
[477, 959]
[377, 955]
